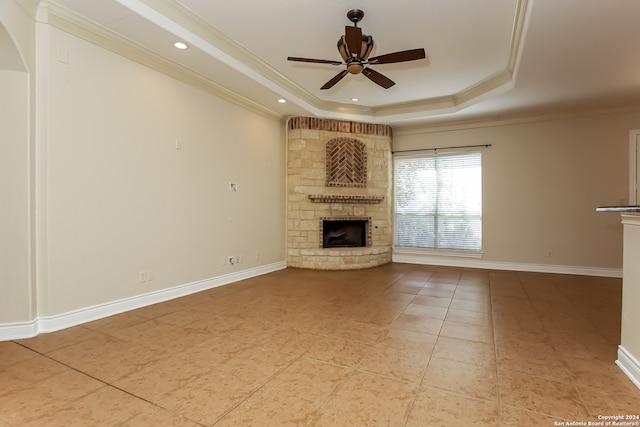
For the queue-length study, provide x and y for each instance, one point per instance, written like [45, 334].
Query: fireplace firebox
[344, 233]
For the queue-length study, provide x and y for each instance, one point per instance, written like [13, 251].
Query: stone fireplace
[339, 194]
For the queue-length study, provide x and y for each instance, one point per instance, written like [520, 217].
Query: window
[438, 201]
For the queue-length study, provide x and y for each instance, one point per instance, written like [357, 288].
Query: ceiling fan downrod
[355, 16]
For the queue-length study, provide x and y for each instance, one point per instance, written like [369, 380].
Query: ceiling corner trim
[431, 106]
[520, 24]
[500, 81]
[447, 104]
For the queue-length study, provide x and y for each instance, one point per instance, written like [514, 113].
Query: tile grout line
[105, 383]
[495, 352]
[424, 374]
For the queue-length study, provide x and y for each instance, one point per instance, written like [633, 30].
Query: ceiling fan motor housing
[365, 50]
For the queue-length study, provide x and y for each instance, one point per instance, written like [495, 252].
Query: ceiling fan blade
[336, 79]
[403, 56]
[354, 39]
[315, 61]
[378, 78]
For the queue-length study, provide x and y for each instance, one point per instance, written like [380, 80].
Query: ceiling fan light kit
[354, 48]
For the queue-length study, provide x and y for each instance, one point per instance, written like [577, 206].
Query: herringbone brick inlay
[346, 163]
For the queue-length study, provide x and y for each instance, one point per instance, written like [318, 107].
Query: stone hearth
[339, 170]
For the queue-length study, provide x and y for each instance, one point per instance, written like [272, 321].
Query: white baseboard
[629, 365]
[88, 314]
[10, 331]
[459, 261]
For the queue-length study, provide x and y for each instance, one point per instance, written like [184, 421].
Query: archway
[15, 304]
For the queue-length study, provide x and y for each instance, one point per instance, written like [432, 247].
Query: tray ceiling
[486, 58]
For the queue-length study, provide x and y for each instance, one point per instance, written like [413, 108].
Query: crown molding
[447, 104]
[539, 115]
[67, 21]
[195, 30]
[198, 32]
[520, 24]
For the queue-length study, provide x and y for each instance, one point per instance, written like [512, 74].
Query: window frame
[472, 253]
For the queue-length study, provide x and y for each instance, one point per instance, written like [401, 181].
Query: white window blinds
[438, 201]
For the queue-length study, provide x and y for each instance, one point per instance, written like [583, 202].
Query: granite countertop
[634, 208]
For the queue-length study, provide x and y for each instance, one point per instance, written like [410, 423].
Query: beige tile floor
[398, 345]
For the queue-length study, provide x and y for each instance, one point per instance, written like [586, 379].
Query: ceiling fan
[355, 48]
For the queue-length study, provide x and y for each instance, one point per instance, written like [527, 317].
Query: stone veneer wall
[311, 198]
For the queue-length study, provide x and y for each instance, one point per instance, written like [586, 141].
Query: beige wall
[14, 198]
[94, 190]
[16, 133]
[542, 181]
[122, 199]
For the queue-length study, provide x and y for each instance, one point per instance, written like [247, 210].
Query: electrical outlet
[145, 276]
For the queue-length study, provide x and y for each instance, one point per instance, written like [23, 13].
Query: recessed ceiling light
[282, 101]
[355, 99]
[180, 45]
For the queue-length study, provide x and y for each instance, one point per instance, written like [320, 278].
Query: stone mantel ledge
[340, 198]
